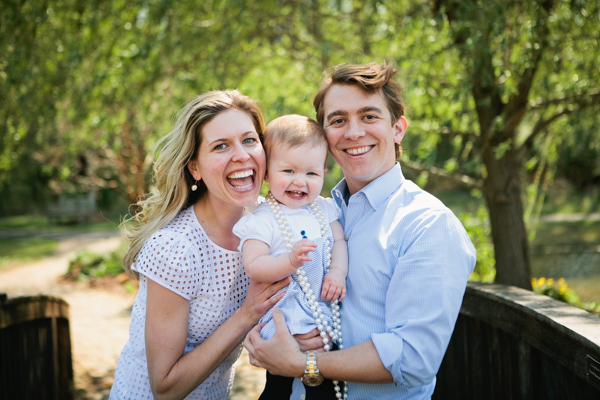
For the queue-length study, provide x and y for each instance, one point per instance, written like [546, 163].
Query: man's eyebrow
[337, 113]
[369, 108]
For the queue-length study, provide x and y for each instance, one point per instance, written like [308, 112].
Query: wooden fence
[35, 349]
[510, 343]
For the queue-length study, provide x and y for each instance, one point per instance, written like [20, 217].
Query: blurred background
[502, 99]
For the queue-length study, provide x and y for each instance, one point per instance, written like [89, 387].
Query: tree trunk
[502, 190]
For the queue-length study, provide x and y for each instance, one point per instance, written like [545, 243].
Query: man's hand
[281, 354]
[334, 285]
[310, 341]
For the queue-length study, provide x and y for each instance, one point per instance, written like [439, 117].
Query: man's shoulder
[411, 195]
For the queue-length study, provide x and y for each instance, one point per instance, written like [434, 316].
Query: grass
[17, 250]
[30, 238]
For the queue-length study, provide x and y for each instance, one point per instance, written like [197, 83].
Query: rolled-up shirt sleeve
[434, 260]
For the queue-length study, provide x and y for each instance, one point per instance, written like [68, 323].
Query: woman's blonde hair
[173, 180]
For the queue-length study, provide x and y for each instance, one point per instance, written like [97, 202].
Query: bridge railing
[511, 343]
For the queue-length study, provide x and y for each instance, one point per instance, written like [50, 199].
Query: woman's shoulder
[180, 229]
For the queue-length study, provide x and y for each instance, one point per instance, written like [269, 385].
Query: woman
[195, 303]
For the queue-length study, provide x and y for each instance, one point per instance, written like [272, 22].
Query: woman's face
[231, 159]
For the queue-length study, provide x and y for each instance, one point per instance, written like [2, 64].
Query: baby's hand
[334, 286]
[299, 253]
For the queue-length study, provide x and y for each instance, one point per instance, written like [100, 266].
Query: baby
[296, 232]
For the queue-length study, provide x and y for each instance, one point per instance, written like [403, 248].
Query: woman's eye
[220, 146]
[249, 141]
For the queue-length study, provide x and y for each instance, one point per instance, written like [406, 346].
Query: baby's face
[295, 174]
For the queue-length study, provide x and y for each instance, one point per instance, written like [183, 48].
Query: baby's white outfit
[262, 225]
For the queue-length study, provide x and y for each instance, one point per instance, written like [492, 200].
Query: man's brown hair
[370, 78]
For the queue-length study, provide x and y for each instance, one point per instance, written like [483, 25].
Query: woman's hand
[260, 297]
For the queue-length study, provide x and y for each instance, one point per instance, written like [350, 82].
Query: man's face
[360, 134]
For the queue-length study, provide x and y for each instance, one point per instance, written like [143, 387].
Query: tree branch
[467, 181]
[571, 108]
[576, 98]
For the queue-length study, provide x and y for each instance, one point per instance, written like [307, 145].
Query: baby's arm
[263, 267]
[334, 283]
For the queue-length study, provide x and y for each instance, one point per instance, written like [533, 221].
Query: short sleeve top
[181, 258]
[262, 225]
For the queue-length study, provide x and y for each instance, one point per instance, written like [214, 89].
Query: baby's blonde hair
[292, 131]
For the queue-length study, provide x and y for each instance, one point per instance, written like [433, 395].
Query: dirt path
[99, 318]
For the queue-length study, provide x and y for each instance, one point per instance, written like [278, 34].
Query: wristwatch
[312, 376]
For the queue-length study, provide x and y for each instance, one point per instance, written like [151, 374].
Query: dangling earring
[195, 186]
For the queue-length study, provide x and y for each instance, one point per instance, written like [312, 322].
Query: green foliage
[87, 265]
[478, 227]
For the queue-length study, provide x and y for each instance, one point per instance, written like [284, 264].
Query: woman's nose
[240, 153]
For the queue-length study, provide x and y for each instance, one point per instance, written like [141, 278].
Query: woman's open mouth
[241, 179]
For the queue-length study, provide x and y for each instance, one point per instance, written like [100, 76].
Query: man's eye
[370, 117]
[337, 121]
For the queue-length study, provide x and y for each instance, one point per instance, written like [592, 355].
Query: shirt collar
[376, 192]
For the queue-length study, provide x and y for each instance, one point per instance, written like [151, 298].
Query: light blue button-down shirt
[410, 259]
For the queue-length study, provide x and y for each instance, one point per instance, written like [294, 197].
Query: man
[410, 257]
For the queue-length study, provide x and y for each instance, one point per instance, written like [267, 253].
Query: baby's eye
[312, 173]
[288, 171]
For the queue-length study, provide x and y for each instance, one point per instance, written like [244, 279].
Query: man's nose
[355, 131]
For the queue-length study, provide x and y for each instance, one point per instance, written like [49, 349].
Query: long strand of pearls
[325, 330]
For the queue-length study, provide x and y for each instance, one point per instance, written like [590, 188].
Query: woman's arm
[263, 267]
[174, 376]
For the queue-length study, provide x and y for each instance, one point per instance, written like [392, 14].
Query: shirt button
[302, 396]
[346, 238]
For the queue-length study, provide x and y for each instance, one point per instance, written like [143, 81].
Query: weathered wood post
[35, 349]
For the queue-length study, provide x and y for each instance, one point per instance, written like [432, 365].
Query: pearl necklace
[334, 331]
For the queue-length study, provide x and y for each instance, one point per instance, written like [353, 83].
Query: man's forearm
[358, 363]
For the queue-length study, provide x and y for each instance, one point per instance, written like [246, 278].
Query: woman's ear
[192, 166]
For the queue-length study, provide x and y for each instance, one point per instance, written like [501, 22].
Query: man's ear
[400, 129]
[192, 166]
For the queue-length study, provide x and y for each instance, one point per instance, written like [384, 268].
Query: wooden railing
[35, 348]
[511, 343]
